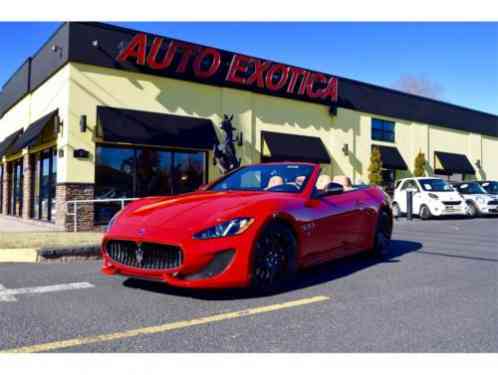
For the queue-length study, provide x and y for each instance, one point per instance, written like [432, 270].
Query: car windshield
[491, 187]
[471, 188]
[434, 184]
[284, 178]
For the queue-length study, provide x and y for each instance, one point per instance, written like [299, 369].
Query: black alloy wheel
[383, 235]
[274, 260]
[425, 213]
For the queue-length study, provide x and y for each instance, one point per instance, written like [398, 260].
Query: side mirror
[332, 188]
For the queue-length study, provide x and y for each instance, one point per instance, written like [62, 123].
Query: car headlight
[433, 196]
[480, 200]
[228, 228]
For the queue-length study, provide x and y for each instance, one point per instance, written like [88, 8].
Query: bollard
[409, 205]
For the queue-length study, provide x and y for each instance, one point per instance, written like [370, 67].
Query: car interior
[322, 182]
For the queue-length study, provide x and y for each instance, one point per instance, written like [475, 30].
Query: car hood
[194, 210]
[448, 195]
[473, 197]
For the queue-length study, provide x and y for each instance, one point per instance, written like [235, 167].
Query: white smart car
[431, 197]
[478, 200]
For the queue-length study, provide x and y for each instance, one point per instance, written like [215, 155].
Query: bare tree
[418, 85]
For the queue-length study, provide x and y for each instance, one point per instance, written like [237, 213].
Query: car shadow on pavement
[312, 276]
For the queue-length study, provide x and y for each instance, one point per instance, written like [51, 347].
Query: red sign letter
[259, 68]
[136, 48]
[187, 51]
[168, 57]
[331, 90]
[284, 74]
[215, 63]
[239, 64]
[295, 73]
[312, 78]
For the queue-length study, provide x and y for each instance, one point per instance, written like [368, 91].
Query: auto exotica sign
[210, 65]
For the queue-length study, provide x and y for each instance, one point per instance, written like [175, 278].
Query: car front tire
[472, 210]
[425, 213]
[274, 258]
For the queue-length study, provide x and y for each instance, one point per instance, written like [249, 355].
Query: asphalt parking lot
[437, 293]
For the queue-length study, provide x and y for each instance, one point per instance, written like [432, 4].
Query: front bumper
[214, 263]
[486, 209]
[443, 209]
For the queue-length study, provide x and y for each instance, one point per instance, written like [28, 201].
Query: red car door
[332, 224]
[345, 219]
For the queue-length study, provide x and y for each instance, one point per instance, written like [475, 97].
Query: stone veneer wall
[26, 187]
[75, 191]
[6, 189]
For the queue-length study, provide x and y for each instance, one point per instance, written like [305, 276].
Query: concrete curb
[18, 255]
[50, 254]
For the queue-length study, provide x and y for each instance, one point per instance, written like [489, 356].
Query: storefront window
[1, 189]
[123, 172]
[188, 172]
[153, 172]
[15, 198]
[44, 185]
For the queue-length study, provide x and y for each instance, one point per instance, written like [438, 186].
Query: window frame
[381, 133]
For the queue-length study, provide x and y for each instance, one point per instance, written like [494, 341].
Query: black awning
[453, 163]
[33, 131]
[289, 147]
[391, 158]
[9, 141]
[157, 129]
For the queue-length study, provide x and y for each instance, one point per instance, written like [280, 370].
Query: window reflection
[44, 181]
[188, 172]
[123, 172]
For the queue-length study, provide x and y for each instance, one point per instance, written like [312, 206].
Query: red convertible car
[255, 226]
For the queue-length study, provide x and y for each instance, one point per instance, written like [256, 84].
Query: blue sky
[462, 58]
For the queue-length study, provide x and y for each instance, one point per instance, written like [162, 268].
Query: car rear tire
[472, 210]
[383, 233]
[274, 258]
[425, 213]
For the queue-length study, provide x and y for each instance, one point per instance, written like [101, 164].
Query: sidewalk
[12, 224]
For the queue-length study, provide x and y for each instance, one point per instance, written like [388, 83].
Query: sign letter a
[136, 48]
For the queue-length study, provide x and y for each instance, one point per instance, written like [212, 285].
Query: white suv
[478, 200]
[431, 197]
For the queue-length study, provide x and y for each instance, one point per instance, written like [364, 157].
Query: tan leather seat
[274, 181]
[344, 181]
[299, 180]
[322, 181]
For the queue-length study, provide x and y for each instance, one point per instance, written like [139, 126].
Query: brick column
[26, 187]
[74, 191]
[6, 188]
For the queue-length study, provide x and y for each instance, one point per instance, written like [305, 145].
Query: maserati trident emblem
[139, 255]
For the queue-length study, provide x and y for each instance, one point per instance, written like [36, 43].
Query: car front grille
[145, 255]
[452, 203]
[492, 203]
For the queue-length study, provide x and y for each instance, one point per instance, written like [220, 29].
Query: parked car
[479, 202]
[491, 187]
[431, 197]
[253, 227]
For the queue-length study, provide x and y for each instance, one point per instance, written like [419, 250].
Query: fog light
[217, 265]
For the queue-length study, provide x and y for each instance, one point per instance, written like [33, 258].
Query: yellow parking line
[163, 328]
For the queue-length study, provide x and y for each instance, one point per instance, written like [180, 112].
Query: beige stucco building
[83, 118]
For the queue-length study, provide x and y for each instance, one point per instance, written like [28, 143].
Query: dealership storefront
[102, 112]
